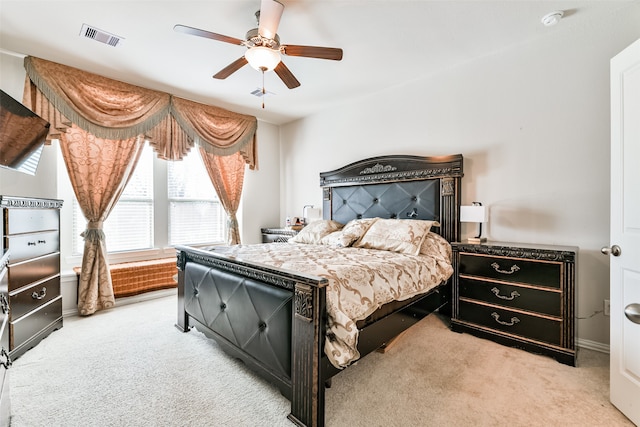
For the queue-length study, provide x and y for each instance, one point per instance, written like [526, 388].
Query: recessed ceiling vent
[102, 36]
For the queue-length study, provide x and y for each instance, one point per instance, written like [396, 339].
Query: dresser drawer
[512, 296]
[29, 220]
[25, 246]
[27, 326]
[27, 272]
[512, 322]
[30, 298]
[542, 273]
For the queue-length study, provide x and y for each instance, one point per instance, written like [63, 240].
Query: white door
[625, 232]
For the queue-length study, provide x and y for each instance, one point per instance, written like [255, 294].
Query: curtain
[116, 110]
[99, 170]
[227, 175]
[102, 125]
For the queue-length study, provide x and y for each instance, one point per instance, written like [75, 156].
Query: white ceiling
[385, 43]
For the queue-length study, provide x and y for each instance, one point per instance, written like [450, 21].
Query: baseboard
[70, 312]
[593, 345]
[146, 296]
[131, 300]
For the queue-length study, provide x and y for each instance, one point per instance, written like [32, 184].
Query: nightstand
[519, 295]
[277, 235]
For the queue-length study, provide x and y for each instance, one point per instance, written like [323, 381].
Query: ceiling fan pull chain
[264, 92]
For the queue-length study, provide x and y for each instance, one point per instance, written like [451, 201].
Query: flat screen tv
[22, 135]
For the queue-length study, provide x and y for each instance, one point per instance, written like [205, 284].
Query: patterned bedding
[360, 280]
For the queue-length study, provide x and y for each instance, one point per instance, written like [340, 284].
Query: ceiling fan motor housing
[255, 39]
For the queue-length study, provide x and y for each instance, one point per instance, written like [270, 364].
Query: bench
[133, 278]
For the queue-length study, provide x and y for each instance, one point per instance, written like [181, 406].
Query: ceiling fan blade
[270, 14]
[207, 34]
[286, 76]
[313, 52]
[231, 68]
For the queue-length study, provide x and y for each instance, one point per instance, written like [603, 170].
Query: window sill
[131, 256]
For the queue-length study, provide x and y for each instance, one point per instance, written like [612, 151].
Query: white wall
[533, 125]
[261, 192]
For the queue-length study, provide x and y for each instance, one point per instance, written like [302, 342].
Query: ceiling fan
[263, 46]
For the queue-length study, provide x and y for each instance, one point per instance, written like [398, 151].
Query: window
[183, 208]
[196, 215]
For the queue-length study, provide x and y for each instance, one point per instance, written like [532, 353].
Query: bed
[273, 305]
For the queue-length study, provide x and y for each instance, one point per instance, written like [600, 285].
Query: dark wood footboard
[304, 385]
[203, 276]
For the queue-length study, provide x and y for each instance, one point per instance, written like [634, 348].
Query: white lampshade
[478, 214]
[474, 213]
[262, 58]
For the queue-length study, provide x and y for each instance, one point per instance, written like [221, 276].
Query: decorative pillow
[354, 230]
[314, 232]
[396, 235]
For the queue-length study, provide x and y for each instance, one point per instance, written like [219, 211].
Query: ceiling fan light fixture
[262, 58]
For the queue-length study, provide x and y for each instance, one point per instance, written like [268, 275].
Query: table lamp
[475, 213]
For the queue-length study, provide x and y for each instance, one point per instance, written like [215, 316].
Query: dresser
[32, 235]
[519, 295]
[5, 359]
[277, 235]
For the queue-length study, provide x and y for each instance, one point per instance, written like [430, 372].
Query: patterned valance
[116, 110]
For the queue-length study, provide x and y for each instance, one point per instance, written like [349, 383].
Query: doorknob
[613, 250]
[632, 311]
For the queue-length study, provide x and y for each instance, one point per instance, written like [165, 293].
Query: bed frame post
[307, 400]
[450, 208]
[183, 319]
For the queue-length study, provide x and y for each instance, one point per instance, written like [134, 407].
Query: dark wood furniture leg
[307, 401]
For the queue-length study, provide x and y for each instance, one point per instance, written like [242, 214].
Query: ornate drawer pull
[31, 243]
[39, 295]
[42, 241]
[514, 294]
[7, 362]
[496, 267]
[513, 321]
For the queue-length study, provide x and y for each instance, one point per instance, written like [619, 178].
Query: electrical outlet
[607, 307]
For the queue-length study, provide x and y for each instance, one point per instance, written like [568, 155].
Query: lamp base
[477, 240]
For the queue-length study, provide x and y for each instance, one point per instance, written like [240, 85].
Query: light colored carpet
[130, 366]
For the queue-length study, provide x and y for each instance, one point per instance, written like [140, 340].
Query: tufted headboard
[398, 186]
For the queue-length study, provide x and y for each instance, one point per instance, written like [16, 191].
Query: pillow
[354, 230]
[396, 235]
[314, 232]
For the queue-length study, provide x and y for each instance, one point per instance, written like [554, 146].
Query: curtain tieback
[232, 221]
[94, 232]
[94, 225]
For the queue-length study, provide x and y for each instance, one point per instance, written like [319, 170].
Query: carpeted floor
[130, 366]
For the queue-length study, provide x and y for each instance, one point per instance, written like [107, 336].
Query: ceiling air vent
[102, 36]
